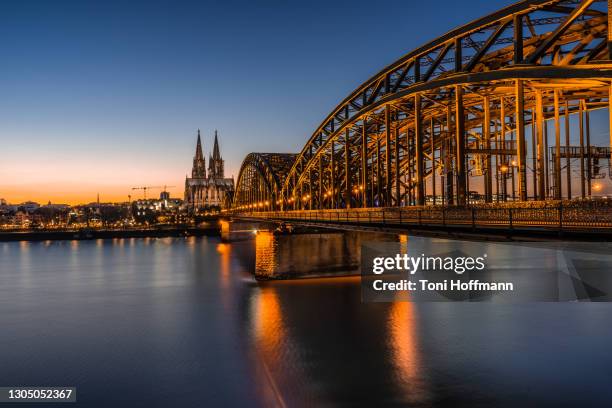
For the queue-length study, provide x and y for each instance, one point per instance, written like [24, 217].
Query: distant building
[22, 218]
[29, 206]
[56, 206]
[205, 190]
[158, 205]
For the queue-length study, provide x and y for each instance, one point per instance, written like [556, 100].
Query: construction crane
[145, 188]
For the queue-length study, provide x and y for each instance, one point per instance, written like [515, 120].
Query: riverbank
[85, 234]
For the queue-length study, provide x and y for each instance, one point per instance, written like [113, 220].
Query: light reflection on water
[321, 254]
[403, 343]
[182, 322]
[266, 262]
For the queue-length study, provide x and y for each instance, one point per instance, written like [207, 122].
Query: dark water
[181, 323]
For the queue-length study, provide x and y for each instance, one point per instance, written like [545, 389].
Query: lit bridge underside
[479, 115]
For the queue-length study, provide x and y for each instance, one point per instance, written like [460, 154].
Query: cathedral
[204, 190]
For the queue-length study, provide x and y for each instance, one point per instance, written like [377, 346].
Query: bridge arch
[467, 111]
[260, 180]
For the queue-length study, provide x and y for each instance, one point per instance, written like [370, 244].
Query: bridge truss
[477, 109]
[260, 178]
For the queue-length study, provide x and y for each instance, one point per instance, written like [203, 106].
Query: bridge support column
[460, 146]
[502, 157]
[296, 198]
[364, 164]
[418, 139]
[398, 198]
[388, 156]
[320, 181]
[433, 158]
[300, 205]
[333, 198]
[409, 169]
[376, 189]
[581, 129]
[534, 149]
[557, 148]
[568, 160]
[540, 152]
[486, 134]
[448, 162]
[546, 161]
[347, 171]
[520, 140]
[587, 123]
[310, 189]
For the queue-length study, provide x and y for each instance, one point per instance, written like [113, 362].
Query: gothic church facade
[210, 188]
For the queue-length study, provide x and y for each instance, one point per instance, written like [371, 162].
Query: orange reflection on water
[225, 229]
[269, 327]
[225, 252]
[265, 253]
[405, 349]
[270, 332]
[403, 239]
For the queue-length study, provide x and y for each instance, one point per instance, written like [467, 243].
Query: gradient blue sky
[101, 96]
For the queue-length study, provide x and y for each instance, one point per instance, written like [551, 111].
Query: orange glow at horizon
[65, 176]
[77, 194]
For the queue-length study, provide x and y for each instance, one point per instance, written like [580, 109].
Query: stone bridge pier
[305, 252]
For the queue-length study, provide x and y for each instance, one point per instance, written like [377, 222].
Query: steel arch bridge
[477, 113]
[260, 178]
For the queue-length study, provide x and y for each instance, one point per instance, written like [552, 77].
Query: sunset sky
[98, 97]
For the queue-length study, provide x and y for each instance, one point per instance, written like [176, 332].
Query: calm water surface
[182, 323]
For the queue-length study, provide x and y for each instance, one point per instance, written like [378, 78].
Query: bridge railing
[558, 216]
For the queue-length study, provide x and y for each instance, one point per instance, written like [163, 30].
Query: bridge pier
[235, 230]
[283, 256]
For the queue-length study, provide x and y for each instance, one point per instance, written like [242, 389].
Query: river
[181, 322]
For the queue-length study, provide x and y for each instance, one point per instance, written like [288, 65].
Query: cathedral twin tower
[204, 190]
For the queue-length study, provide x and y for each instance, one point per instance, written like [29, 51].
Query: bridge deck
[552, 219]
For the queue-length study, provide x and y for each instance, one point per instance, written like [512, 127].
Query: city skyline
[72, 192]
[105, 97]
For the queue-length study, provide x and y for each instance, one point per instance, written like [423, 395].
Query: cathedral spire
[216, 154]
[199, 155]
[199, 165]
[215, 162]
